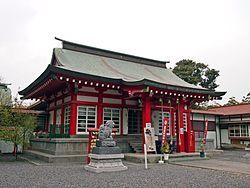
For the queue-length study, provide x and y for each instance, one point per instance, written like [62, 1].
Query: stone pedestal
[106, 157]
[105, 163]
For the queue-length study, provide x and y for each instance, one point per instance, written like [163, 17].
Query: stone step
[173, 160]
[35, 156]
[136, 146]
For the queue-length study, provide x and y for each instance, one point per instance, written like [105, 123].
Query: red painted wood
[190, 145]
[180, 146]
[89, 148]
[172, 122]
[100, 110]
[73, 115]
[146, 115]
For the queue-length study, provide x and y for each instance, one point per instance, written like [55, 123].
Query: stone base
[105, 163]
[105, 143]
[60, 146]
[106, 150]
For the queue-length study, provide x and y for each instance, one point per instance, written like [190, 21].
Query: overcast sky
[216, 33]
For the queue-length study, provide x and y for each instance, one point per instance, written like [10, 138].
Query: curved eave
[38, 81]
[52, 70]
[176, 88]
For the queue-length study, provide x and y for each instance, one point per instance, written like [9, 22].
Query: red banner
[164, 130]
[205, 132]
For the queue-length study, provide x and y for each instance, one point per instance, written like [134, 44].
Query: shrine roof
[232, 110]
[84, 61]
[106, 67]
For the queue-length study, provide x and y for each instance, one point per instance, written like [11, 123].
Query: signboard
[149, 134]
[93, 136]
[148, 125]
[164, 130]
[181, 130]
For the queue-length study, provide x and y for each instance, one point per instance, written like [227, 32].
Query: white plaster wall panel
[87, 98]
[155, 121]
[199, 117]
[212, 135]
[58, 116]
[51, 117]
[125, 121]
[224, 136]
[112, 92]
[88, 89]
[218, 136]
[112, 101]
[67, 99]
[52, 104]
[224, 119]
[235, 119]
[131, 102]
[58, 102]
[210, 117]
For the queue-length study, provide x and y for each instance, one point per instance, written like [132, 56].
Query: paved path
[22, 174]
[231, 161]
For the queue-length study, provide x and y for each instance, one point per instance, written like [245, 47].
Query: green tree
[15, 126]
[232, 101]
[196, 73]
[246, 99]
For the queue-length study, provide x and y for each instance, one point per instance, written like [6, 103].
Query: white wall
[218, 136]
[212, 135]
[125, 121]
[224, 136]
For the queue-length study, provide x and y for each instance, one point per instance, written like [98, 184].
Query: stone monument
[106, 156]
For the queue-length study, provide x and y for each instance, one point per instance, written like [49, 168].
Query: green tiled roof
[116, 69]
[92, 63]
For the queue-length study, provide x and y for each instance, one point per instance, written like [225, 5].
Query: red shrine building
[83, 86]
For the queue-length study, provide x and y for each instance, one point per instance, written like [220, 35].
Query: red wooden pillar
[180, 145]
[100, 109]
[172, 118]
[146, 115]
[73, 115]
[190, 137]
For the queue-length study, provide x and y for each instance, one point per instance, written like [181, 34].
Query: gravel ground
[23, 174]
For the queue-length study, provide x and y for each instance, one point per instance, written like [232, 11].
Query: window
[66, 119]
[67, 115]
[239, 131]
[86, 118]
[244, 130]
[134, 121]
[114, 115]
[198, 126]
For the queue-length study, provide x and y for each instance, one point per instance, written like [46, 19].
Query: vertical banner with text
[205, 132]
[164, 130]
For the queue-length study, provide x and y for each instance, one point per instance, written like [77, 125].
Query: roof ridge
[230, 106]
[111, 54]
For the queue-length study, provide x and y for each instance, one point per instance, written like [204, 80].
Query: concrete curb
[209, 168]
